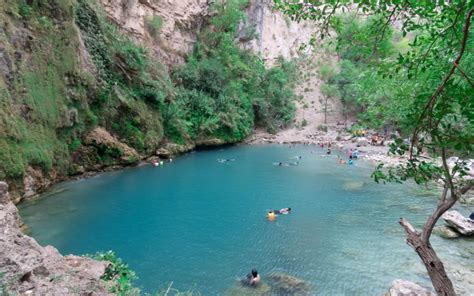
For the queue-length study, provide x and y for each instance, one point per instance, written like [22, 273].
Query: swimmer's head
[254, 272]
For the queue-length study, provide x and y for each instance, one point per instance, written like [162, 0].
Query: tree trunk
[440, 280]
[325, 109]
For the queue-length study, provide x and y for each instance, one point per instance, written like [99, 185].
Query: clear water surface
[201, 223]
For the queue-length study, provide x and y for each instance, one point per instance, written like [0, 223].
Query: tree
[327, 72]
[440, 118]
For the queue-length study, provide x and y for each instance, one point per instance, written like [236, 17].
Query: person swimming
[283, 211]
[252, 279]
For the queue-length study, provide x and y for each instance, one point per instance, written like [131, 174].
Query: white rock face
[181, 20]
[277, 35]
[463, 225]
[407, 288]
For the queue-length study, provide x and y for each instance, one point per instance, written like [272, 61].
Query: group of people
[156, 162]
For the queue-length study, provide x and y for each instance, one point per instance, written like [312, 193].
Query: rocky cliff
[26, 268]
[72, 70]
[170, 27]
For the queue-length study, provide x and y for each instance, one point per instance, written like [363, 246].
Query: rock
[26, 268]
[407, 288]
[352, 185]
[461, 224]
[362, 141]
[446, 232]
[285, 284]
[467, 198]
[172, 149]
[34, 181]
[210, 142]
[238, 289]
[4, 196]
[99, 137]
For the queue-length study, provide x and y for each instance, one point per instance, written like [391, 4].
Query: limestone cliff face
[180, 21]
[276, 34]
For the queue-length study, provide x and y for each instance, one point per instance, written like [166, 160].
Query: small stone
[446, 232]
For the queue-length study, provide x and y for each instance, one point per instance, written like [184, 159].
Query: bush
[322, 128]
[154, 25]
[119, 273]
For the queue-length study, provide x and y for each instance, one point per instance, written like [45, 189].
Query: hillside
[91, 85]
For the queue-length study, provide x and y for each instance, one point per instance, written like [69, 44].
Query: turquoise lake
[201, 223]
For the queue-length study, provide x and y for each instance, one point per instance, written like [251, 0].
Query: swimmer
[252, 279]
[350, 161]
[329, 151]
[271, 215]
[285, 211]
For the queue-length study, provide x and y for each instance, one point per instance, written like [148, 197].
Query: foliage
[223, 90]
[154, 25]
[426, 89]
[119, 273]
[322, 128]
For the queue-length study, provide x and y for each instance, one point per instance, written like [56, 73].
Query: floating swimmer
[271, 216]
[283, 211]
[222, 160]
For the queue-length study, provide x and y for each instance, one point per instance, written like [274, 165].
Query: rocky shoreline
[26, 268]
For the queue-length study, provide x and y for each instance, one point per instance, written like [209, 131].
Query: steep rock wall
[177, 24]
[275, 34]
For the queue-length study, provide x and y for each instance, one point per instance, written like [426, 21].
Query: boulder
[285, 284]
[407, 288]
[33, 182]
[446, 232]
[461, 224]
[99, 137]
[362, 141]
[4, 196]
[171, 149]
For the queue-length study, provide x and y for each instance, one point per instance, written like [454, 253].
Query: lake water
[201, 223]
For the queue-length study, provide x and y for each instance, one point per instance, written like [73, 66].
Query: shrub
[154, 25]
[119, 273]
[322, 128]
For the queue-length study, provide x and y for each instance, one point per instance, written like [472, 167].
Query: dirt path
[308, 125]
